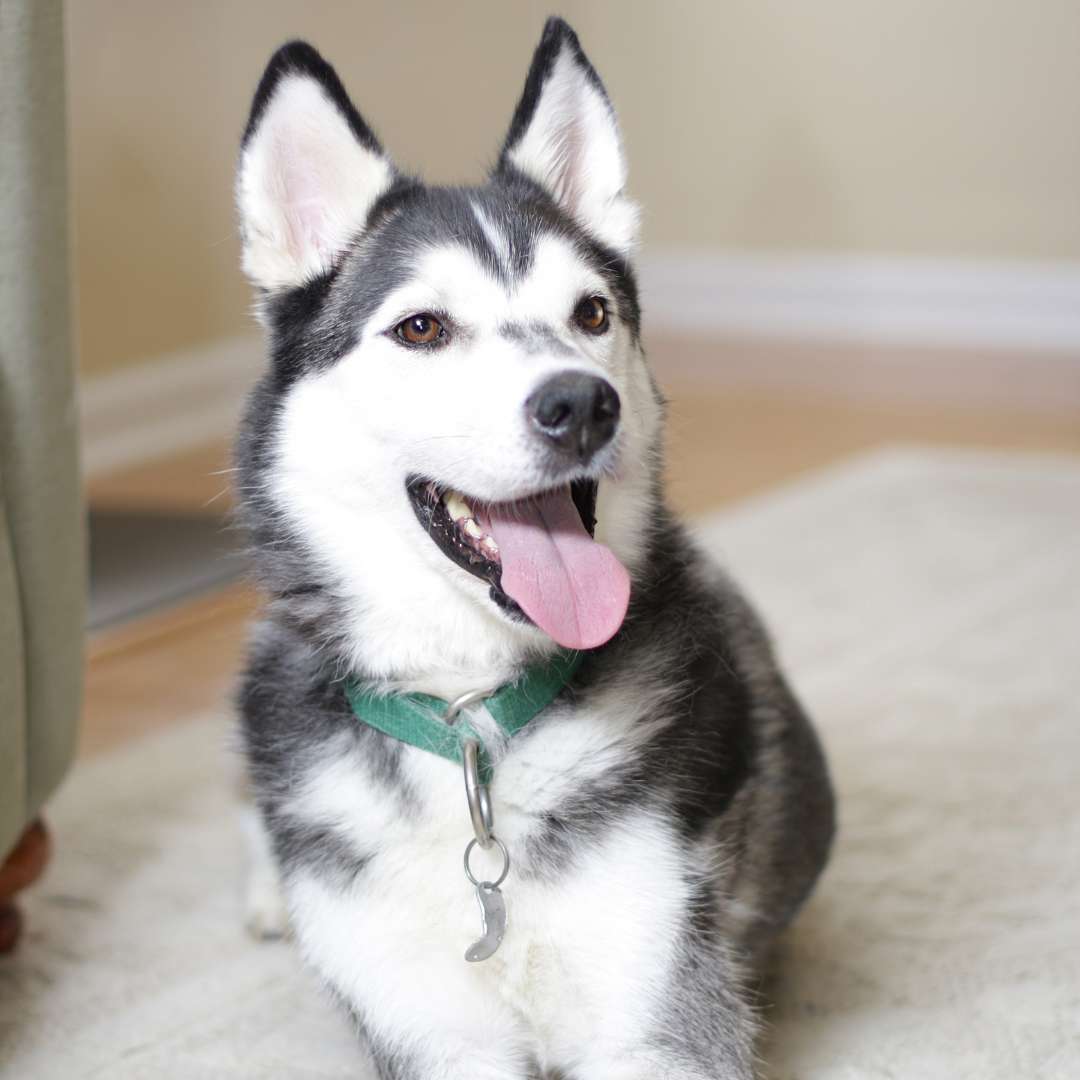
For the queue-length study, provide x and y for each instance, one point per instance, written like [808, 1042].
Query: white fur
[304, 187]
[562, 987]
[498, 241]
[572, 147]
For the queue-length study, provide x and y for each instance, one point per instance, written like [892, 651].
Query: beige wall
[911, 126]
[929, 126]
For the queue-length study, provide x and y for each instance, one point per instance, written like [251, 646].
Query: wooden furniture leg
[23, 866]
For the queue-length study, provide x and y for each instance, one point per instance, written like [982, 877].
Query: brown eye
[591, 315]
[419, 329]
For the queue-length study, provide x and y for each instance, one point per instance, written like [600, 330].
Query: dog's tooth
[470, 528]
[456, 506]
[489, 547]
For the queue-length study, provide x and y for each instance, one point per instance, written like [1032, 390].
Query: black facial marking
[290, 316]
[536, 338]
[313, 326]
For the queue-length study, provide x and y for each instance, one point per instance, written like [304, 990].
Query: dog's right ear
[310, 171]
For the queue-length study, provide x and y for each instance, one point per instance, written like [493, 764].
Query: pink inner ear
[306, 199]
[571, 163]
[310, 215]
[310, 182]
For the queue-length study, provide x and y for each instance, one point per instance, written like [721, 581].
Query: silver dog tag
[493, 919]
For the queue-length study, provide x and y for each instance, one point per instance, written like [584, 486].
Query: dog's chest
[576, 897]
[546, 775]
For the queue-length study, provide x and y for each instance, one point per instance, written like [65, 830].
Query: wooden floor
[193, 483]
[164, 667]
[722, 445]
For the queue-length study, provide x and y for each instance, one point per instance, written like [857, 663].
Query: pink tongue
[569, 585]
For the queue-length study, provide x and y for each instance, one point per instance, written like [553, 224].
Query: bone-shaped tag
[493, 917]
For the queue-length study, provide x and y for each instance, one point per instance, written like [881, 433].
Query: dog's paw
[265, 915]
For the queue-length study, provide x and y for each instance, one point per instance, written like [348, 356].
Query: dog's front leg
[631, 979]
[264, 902]
[718, 1047]
[381, 943]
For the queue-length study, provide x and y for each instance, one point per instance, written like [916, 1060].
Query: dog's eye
[419, 329]
[591, 315]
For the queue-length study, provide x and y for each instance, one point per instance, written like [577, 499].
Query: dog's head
[456, 441]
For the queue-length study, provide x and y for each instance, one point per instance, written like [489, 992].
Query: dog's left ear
[565, 137]
[310, 171]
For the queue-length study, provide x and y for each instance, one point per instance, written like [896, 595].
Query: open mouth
[462, 529]
[537, 554]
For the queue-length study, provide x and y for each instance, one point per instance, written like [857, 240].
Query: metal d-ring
[459, 703]
[505, 870]
[479, 798]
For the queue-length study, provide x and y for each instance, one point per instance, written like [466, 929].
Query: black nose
[577, 412]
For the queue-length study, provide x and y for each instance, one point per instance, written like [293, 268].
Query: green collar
[417, 718]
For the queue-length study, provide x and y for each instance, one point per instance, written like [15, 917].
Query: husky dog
[451, 472]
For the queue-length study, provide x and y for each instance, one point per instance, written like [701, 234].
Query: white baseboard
[1011, 306]
[167, 405]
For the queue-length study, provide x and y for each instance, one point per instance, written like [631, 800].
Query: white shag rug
[927, 606]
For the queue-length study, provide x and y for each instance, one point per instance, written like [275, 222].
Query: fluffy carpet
[927, 605]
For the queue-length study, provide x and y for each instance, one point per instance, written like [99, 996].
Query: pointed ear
[310, 170]
[565, 137]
